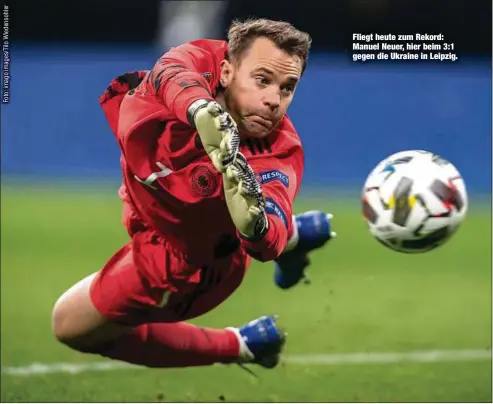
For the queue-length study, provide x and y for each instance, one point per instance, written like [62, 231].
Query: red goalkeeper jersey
[169, 182]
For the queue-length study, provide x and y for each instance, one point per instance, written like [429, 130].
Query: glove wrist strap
[194, 108]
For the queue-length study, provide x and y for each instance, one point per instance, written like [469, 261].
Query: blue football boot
[313, 230]
[261, 342]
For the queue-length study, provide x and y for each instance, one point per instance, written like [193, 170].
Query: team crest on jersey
[203, 181]
[273, 175]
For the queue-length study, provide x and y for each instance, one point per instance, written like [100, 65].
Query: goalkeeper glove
[245, 199]
[217, 130]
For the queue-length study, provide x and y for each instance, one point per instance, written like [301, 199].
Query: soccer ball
[414, 201]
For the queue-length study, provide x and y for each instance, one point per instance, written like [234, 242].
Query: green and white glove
[245, 200]
[218, 132]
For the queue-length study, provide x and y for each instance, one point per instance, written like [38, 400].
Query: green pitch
[363, 299]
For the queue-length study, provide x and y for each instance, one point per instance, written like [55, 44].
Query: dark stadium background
[65, 54]
[61, 215]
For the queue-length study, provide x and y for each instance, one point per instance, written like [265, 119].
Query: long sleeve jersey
[169, 182]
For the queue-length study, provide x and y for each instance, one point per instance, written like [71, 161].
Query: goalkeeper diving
[211, 167]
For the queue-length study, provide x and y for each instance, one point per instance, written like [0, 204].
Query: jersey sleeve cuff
[186, 98]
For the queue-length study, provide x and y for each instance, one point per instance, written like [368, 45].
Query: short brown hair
[241, 34]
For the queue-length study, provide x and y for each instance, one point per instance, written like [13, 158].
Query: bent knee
[74, 317]
[62, 324]
[78, 324]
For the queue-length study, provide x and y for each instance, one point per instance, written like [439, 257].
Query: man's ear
[226, 69]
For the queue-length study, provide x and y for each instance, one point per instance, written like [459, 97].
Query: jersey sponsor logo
[204, 182]
[273, 175]
[272, 208]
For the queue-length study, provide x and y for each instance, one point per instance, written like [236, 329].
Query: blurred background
[61, 216]
[65, 54]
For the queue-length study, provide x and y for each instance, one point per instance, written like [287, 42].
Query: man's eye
[261, 80]
[288, 89]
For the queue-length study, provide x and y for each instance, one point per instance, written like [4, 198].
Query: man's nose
[272, 100]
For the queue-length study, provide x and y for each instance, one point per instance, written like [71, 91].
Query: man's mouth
[266, 123]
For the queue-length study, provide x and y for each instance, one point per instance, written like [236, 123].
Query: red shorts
[147, 280]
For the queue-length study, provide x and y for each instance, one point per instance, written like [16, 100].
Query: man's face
[260, 87]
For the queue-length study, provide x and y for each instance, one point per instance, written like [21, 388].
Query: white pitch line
[397, 357]
[315, 359]
[73, 368]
